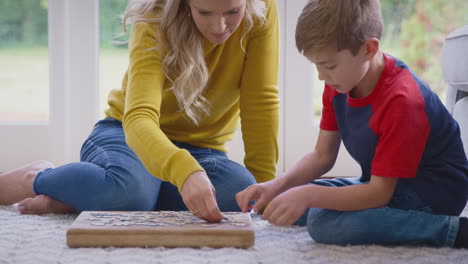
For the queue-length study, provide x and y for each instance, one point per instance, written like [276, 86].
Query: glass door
[48, 79]
[24, 81]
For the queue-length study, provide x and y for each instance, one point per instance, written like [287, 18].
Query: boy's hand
[285, 209]
[262, 193]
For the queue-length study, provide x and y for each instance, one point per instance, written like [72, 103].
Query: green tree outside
[110, 16]
[423, 34]
[23, 23]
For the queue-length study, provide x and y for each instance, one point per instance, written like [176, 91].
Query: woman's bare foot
[16, 185]
[43, 204]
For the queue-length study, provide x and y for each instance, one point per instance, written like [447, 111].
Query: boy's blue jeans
[111, 177]
[407, 220]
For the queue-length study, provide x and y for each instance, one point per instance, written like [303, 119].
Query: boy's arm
[315, 163]
[377, 193]
[287, 207]
[310, 167]
[349, 198]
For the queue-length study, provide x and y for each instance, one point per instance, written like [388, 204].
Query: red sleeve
[328, 121]
[403, 132]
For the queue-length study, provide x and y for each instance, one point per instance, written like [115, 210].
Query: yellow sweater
[242, 86]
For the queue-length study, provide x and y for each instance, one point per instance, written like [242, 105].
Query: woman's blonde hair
[181, 43]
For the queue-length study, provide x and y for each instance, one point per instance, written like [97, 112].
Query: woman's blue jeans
[111, 177]
[407, 220]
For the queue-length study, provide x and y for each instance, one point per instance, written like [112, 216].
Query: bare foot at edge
[43, 204]
[16, 185]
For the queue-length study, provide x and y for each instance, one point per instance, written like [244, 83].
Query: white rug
[41, 239]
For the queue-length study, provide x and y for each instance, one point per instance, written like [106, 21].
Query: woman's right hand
[261, 193]
[199, 196]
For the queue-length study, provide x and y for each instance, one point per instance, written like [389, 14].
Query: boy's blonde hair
[338, 24]
[181, 47]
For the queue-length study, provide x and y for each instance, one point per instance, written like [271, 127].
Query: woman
[196, 68]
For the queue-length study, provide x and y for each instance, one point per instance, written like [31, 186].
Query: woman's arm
[159, 155]
[144, 90]
[259, 99]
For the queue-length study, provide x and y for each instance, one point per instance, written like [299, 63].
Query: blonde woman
[197, 70]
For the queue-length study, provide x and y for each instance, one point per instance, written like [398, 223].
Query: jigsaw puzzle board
[155, 229]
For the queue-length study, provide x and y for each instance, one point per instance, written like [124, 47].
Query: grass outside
[113, 64]
[24, 81]
[24, 84]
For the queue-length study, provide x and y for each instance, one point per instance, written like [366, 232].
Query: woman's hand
[262, 193]
[199, 196]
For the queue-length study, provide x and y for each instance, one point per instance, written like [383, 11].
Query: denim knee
[229, 178]
[133, 199]
[318, 225]
[341, 228]
[116, 197]
[118, 193]
[333, 227]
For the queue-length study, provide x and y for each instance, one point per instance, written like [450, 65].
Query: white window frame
[73, 73]
[74, 94]
[300, 129]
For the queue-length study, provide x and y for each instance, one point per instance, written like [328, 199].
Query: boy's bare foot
[43, 204]
[16, 185]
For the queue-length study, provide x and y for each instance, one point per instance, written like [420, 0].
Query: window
[113, 57]
[24, 77]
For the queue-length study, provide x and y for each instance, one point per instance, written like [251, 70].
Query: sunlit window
[24, 74]
[113, 54]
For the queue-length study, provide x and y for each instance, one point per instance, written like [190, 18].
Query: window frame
[73, 74]
[74, 94]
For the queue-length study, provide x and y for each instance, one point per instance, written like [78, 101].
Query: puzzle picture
[159, 229]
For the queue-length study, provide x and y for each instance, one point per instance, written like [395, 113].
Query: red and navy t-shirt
[403, 130]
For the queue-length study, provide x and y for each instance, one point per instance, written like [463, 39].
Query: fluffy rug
[41, 239]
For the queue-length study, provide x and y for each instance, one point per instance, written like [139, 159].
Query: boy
[414, 182]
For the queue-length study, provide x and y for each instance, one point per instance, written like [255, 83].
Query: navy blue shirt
[402, 130]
